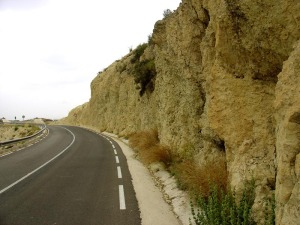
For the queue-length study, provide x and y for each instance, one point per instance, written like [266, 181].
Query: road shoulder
[154, 209]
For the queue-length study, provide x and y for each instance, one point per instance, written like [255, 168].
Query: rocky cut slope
[223, 81]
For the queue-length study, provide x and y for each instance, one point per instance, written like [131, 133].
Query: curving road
[73, 176]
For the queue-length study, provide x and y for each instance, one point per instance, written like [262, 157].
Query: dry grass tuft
[157, 153]
[146, 144]
[199, 179]
[143, 140]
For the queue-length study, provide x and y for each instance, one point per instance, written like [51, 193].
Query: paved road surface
[73, 176]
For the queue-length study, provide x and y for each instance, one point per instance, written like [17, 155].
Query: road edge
[154, 209]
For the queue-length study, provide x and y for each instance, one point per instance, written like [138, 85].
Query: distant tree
[15, 118]
[23, 117]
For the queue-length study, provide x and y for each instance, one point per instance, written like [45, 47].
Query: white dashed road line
[117, 160]
[6, 154]
[122, 197]
[119, 172]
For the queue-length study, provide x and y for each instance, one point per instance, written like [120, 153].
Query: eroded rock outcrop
[287, 105]
[226, 85]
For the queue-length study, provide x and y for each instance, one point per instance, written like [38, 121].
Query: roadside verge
[9, 148]
[160, 201]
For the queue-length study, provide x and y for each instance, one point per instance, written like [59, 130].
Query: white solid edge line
[117, 161]
[119, 172]
[122, 197]
[46, 163]
[8, 153]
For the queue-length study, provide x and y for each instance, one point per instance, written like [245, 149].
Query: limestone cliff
[226, 85]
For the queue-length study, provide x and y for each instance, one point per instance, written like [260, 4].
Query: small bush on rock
[144, 71]
[167, 13]
[221, 208]
[138, 52]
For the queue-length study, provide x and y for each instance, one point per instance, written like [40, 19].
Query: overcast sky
[50, 50]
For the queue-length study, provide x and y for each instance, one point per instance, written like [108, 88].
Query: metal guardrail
[41, 126]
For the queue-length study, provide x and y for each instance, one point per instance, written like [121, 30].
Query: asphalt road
[73, 176]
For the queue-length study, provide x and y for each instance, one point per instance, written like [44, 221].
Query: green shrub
[221, 208]
[167, 13]
[150, 42]
[144, 70]
[269, 211]
[138, 52]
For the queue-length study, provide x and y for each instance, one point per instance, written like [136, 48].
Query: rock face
[287, 105]
[227, 85]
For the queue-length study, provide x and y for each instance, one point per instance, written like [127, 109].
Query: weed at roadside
[148, 148]
[224, 208]
[197, 179]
